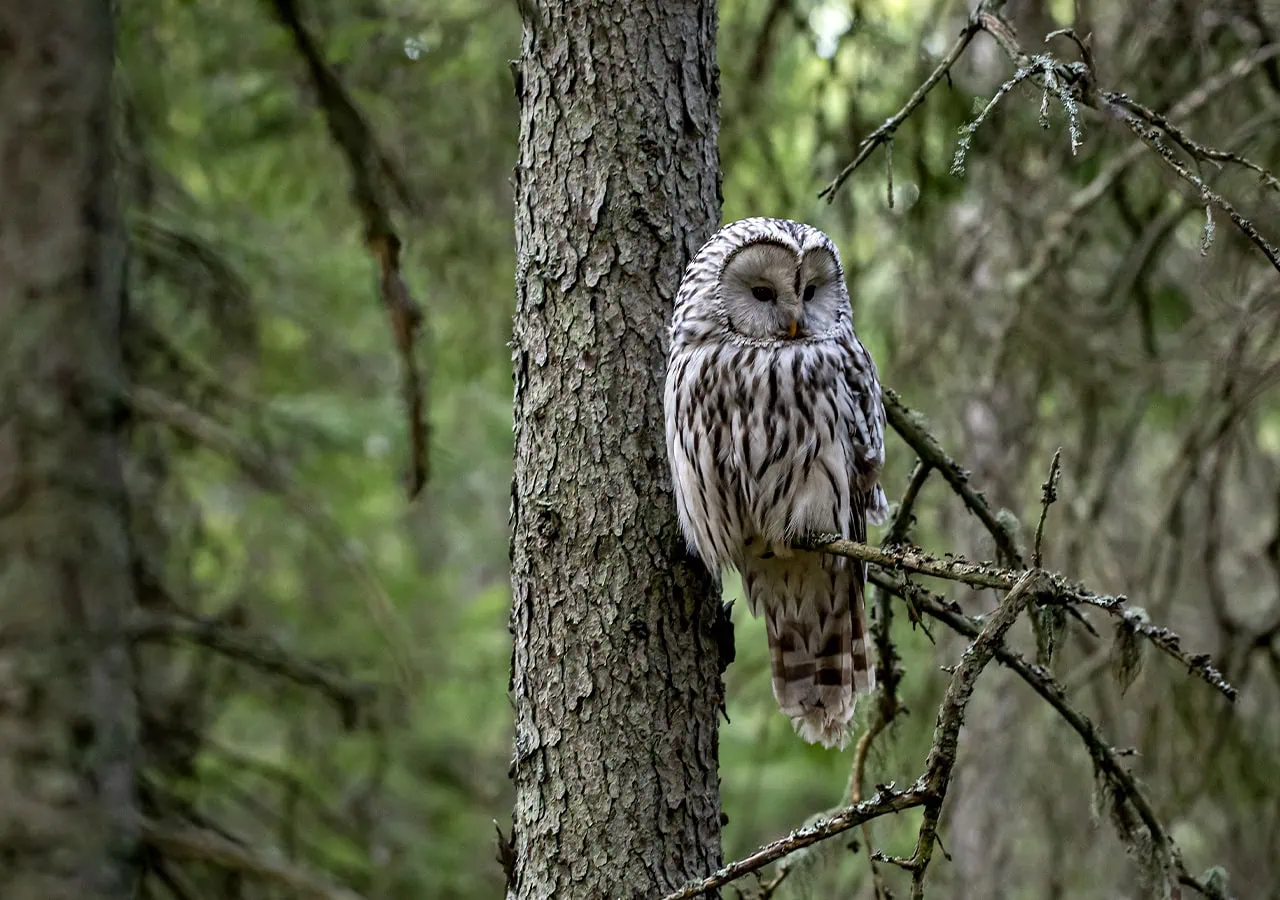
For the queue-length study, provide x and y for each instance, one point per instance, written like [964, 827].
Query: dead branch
[1048, 496]
[930, 789]
[1076, 84]
[372, 176]
[912, 560]
[884, 134]
[946, 735]
[911, 428]
[887, 800]
[1124, 787]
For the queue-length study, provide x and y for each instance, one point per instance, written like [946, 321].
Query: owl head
[763, 281]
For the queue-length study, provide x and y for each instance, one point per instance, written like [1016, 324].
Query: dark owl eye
[764, 294]
[809, 292]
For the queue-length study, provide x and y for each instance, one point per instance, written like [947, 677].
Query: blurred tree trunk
[615, 672]
[68, 719]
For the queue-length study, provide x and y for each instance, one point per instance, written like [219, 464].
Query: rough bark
[616, 668]
[68, 811]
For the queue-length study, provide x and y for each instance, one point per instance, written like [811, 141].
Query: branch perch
[983, 575]
[929, 791]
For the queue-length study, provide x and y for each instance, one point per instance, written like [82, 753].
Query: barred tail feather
[819, 646]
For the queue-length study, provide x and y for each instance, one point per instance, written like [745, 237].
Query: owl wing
[863, 410]
[698, 440]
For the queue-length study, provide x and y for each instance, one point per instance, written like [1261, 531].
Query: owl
[775, 430]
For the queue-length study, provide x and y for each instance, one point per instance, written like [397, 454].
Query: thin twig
[1075, 83]
[884, 134]
[1151, 137]
[272, 475]
[1194, 148]
[911, 429]
[1082, 79]
[1048, 495]
[900, 528]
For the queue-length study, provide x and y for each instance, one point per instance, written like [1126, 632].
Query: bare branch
[911, 429]
[886, 800]
[1083, 86]
[929, 790]
[1197, 150]
[271, 475]
[1151, 137]
[946, 735]
[900, 528]
[1075, 83]
[1048, 494]
[372, 177]
[1105, 758]
[884, 134]
[984, 575]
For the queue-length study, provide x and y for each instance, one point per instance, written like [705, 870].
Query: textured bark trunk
[68, 813]
[615, 672]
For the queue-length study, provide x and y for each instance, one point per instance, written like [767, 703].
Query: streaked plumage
[775, 429]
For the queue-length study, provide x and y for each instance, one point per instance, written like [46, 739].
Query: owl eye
[809, 292]
[764, 294]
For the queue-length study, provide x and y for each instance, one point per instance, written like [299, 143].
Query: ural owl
[775, 429]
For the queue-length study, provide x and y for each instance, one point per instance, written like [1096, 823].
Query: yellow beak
[791, 328]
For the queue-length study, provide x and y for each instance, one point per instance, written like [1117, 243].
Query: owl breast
[766, 445]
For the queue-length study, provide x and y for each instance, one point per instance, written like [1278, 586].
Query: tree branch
[885, 801]
[269, 474]
[946, 735]
[929, 790]
[1124, 788]
[900, 528]
[1075, 83]
[371, 175]
[884, 134]
[911, 429]
[983, 575]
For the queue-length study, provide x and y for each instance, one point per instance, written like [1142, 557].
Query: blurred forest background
[1041, 299]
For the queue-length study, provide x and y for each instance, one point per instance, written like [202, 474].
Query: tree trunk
[68, 718]
[616, 665]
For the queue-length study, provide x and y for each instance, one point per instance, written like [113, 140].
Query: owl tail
[819, 645]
